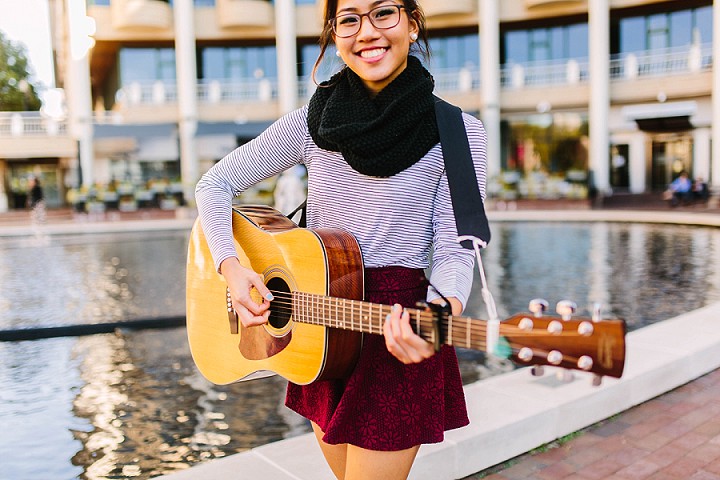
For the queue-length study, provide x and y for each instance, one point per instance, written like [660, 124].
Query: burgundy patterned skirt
[386, 405]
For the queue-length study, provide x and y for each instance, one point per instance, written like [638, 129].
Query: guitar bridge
[232, 314]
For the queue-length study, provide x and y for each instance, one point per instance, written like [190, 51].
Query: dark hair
[412, 7]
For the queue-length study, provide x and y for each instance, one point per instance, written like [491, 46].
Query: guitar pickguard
[257, 344]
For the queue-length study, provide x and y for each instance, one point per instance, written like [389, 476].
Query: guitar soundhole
[281, 307]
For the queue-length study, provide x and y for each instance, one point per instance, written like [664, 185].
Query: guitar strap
[468, 207]
[470, 217]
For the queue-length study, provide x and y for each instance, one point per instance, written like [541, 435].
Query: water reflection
[132, 405]
[92, 278]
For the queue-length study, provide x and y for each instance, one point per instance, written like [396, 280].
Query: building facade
[577, 96]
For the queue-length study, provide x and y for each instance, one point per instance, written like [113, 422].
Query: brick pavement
[675, 436]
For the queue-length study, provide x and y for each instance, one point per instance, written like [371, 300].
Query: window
[665, 30]
[544, 44]
[146, 64]
[330, 65]
[221, 63]
[455, 52]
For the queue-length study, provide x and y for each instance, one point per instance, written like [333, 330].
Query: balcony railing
[156, 92]
[513, 76]
[662, 62]
[17, 124]
[214, 91]
[536, 74]
[456, 80]
[208, 91]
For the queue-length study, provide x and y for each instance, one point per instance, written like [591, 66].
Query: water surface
[132, 405]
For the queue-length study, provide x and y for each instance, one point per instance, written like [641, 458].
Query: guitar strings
[329, 305]
[321, 306]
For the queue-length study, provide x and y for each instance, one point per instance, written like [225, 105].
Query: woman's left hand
[400, 339]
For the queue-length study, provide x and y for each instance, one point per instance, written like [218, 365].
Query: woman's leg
[335, 455]
[363, 464]
[349, 462]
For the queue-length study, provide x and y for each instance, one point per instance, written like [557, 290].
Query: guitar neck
[368, 317]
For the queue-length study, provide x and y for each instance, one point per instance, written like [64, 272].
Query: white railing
[662, 62]
[688, 59]
[535, 74]
[157, 92]
[456, 80]
[17, 124]
[246, 90]
[208, 91]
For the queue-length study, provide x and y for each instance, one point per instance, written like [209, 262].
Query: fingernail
[396, 307]
[387, 317]
[269, 296]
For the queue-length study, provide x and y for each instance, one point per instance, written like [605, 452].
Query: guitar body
[321, 261]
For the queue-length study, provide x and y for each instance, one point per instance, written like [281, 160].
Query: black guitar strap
[468, 207]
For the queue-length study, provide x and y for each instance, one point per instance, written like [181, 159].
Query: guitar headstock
[585, 344]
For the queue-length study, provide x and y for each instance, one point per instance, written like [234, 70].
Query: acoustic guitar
[318, 316]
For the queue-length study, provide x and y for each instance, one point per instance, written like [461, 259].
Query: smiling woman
[370, 141]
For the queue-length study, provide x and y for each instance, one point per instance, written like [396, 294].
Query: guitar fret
[370, 317]
[467, 332]
[380, 319]
[352, 314]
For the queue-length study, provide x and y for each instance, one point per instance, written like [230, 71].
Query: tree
[16, 92]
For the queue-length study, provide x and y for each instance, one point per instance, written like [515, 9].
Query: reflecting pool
[131, 404]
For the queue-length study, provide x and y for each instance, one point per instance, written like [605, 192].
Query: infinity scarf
[378, 136]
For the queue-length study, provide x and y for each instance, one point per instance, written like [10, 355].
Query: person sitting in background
[700, 190]
[680, 189]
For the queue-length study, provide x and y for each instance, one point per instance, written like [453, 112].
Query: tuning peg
[596, 312]
[537, 371]
[597, 380]
[538, 306]
[566, 309]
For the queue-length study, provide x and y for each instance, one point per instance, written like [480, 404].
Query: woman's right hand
[241, 282]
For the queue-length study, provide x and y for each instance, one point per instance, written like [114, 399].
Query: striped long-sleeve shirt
[397, 220]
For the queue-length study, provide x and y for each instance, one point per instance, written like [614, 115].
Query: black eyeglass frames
[382, 18]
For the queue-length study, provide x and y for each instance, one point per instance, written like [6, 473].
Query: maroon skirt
[386, 405]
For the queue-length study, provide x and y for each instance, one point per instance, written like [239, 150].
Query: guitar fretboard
[368, 317]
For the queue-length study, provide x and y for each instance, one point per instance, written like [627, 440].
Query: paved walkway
[675, 436]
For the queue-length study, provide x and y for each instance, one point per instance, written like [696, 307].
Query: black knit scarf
[378, 136]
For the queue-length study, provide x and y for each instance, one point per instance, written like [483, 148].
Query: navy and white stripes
[396, 220]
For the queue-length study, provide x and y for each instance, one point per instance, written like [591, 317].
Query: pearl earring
[413, 36]
[337, 53]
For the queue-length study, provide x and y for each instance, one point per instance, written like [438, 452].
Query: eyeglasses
[382, 18]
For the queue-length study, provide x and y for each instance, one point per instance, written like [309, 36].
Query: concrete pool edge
[514, 413]
[185, 221]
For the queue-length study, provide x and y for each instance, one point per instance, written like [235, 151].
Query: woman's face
[376, 55]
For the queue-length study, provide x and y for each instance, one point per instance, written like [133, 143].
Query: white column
[701, 153]
[599, 33]
[4, 206]
[186, 73]
[78, 89]
[637, 162]
[287, 61]
[490, 80]
[715, 179]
